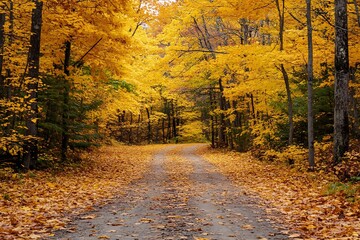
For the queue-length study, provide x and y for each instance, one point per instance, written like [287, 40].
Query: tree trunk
[8, 88]
[2, 41]
[222, 128]
[163, 130]
[149, 125]
[130, 129]
[169, 130]
[245, 30]
[290, 104]
[281, 14]
[31, 147]
[310, 88]
[253, 113]
[173, 113]
[138, 132]
[66, 96]
[212, 129]
[341, 118]
[230, 138]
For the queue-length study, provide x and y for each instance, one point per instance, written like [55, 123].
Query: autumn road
[182, 197]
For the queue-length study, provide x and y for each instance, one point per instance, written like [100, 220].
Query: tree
[310, 75]
[31, 154]
[341, 119]
[281, 14]
[66, 95]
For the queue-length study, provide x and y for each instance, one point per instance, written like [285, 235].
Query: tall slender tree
[281, 13]
[30, 156]
[342, 74]
[310, 76]
[66, 96]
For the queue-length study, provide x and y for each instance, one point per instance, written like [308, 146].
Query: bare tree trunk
[168, 113]
[253, 108]
[163, 130]
[212, 127]
[290, 104]
[149, 125]
[245, 31]
[9, 88]
[31, 147]
[173, 113]
[130, 128]
[341, 119]
[2, 41]
[222, 128]
[281, 14]
[138, 128]
[310, 88]
[66, 96]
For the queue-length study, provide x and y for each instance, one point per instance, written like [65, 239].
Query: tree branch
[77, 63]
[200, 50]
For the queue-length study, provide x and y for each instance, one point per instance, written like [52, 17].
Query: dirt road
[182, 197]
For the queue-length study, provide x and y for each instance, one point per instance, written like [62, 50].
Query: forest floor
[174, 192]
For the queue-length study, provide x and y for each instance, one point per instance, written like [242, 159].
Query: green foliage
[6, 197]
[355, 179]
[121, 84]
[349, 190]
[71, 115]
[322, 106]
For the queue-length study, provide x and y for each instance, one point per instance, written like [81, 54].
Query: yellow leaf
[50, 185]
[103, 237]
[310, 227]
[248, 227]
[92, 216]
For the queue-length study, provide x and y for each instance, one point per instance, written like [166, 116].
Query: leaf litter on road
[34, 204]
[300, 196]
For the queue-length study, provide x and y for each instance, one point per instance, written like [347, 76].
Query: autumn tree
[31, 148]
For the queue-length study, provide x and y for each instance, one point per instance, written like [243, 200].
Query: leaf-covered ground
[38, 202]
[181, 197]
[311, 202]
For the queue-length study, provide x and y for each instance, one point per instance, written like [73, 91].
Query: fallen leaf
[247, 226]
[103, 237]
[92, 216]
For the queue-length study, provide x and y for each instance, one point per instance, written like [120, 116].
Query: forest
[278, 79]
